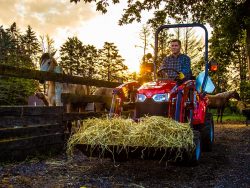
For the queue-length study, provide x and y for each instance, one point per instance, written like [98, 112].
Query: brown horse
[220, 100]
[55, 89]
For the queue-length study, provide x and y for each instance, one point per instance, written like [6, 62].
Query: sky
[61, 19]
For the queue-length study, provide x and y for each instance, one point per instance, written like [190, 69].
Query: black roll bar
[184, 25]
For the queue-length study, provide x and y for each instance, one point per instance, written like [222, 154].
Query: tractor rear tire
[207, 133]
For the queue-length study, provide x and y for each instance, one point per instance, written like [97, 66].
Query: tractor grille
[151, 108]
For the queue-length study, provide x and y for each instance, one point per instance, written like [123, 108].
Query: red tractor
[186, 102]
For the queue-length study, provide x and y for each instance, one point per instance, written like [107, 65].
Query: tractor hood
[160, 87]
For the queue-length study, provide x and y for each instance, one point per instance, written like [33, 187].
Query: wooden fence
[27, 130]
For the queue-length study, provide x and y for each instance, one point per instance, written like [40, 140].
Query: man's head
[175, 46]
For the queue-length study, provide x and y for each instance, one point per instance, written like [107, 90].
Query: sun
[134, 68]
[132, 60]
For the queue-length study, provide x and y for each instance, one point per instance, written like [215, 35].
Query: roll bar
[177, 26]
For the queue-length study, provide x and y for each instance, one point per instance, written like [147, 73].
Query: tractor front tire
[196, 154]
[207, 133]
[192, 156]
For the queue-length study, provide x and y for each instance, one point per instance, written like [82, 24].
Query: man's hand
[181, 76]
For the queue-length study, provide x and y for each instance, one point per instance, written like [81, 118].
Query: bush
[15, 91]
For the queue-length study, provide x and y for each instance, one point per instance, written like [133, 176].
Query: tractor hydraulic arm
[125, 93]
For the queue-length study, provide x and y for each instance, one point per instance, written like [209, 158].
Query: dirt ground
[227, 166]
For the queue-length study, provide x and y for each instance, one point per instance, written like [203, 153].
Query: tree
[47, 44]
[7, 46]
[145, 38]
[145, 68]
[163, 38]
[13, 51]
[232, 60]
[30, 47]
[90, 58]
[111, 63]
[193, 46]
[71, 57]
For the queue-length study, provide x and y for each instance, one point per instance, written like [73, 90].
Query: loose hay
[155, 131]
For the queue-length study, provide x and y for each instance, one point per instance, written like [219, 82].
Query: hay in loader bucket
[152, 137]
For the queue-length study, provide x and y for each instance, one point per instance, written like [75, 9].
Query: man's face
[175, 48]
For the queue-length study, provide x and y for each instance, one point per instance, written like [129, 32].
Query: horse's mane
[48, 56]
[224, 94]
[45, 56]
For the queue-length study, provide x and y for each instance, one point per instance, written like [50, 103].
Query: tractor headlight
[161, 97]
[140, 98]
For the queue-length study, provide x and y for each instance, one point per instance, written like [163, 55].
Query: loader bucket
[121, 154]
[155, 138]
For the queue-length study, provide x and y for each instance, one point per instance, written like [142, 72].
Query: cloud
[44, 16]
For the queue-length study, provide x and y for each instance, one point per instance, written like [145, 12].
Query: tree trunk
[248, 50]
[246, 12]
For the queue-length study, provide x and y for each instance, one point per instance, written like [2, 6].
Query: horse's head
[235, 95]
[48, 62]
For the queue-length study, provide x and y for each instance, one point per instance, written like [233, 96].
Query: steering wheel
[163, 73]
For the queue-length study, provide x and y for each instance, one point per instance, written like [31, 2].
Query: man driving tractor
[177, 61]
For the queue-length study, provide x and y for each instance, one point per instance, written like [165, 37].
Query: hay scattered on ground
[154, 131]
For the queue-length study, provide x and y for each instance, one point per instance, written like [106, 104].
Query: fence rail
[68, 97]
[50, 76]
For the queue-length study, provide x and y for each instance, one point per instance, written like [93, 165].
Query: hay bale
[154, 131]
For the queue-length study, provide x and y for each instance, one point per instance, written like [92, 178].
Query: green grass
[234, 117]
[229, 116]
